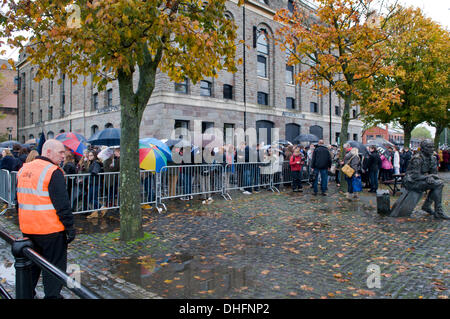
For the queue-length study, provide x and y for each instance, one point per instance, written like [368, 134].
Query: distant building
[392, 135]
[263, 93]
[8, 101]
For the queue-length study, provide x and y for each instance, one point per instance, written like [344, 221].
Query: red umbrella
[73, 141]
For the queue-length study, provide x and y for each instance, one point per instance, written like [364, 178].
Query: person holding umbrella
[373, 165]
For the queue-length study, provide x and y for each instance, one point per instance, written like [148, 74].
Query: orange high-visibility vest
[37, 215]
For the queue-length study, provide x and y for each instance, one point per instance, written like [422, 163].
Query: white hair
[354, 151]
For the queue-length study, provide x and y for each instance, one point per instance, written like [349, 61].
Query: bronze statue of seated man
[421, 176]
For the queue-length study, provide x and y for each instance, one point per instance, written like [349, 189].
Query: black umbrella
[108, 137]
[380, 144]
[306, 138]
[361, 147]
[9, 144]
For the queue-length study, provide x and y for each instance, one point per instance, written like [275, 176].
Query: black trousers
[53, 247]
[296, 180]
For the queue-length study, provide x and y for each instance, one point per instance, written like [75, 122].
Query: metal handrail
[24, 255]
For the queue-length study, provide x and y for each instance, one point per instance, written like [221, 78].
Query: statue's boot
[439, 213]
[426, 207]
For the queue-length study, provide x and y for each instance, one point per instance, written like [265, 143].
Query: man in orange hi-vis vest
[45, 214]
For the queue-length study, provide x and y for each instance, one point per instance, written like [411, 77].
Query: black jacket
[321, 158]
[10, 163]
[374, 162]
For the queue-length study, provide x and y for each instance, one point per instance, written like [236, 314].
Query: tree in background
[421, 132]
[419, 50]
[340, 47]
[117, 39]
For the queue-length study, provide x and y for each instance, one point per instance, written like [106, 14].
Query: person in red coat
[296, 162]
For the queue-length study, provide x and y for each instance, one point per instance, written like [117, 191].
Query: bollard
[383, 202]
[24, 284]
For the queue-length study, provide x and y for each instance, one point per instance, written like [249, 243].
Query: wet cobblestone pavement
[265, 245]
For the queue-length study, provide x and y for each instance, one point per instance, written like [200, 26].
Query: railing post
[24, 284]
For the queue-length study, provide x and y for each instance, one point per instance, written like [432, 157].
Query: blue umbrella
[108, 137]
[160, 145]
[9, 144]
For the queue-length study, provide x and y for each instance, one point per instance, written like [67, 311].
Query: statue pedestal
[406, 203]
[383, 202]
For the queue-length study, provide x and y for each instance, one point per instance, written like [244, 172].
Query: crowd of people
[318, 163]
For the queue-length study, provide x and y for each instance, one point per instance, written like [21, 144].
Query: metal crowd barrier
[248, 176]
[25, 256]
[90, 193]
[7, 187]
[186, 181]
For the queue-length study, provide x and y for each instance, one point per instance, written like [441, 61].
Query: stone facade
[8, 101]
[73, 107]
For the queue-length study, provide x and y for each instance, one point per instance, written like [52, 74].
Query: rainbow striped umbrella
[150, 157]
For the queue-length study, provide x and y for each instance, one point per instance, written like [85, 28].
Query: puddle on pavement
[105, 224]
[181, 276]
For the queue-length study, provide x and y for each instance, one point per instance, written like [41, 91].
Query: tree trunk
[437, 136]
[407, 129]
[343, 136]
[130, 206]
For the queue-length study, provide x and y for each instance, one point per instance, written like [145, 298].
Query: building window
[40, 115]
[95, 101]
[228, 91]
[262, 66]
[337, 110]
[50, 113]
[109, 125]
[290, 103]
[181, 124]
[94, 129]
[50, 135]
[41, 90]
[263, 98]
[290, 6]
[355, 137]
[32, 95]
[32, 117]
[206, 125]
[228, 133]
[262, 45]
[354, 113]
[313, 107]
[289, 74]
[182, 87]
[109, 97]
[337, 137]
[205, 88]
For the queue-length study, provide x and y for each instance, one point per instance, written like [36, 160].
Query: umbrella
[150, 157]
[108, 137]
[9, 144]
[73, 141]
[182, 143]
[283, 142]
[105, 154]
[63, 136]
[380, 145]
[361, 147]
[41, 143]
[307, 138]
[160, 145]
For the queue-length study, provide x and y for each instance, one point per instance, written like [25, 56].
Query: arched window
[94, 129]
[264, 127]
[31, 136]
[292, 131]
[317, 131]
[50, 135]
[109, 125]
[62, 131]
[262, 45]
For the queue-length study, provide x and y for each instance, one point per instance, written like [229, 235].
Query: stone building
[261, 93]
[8, 102]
